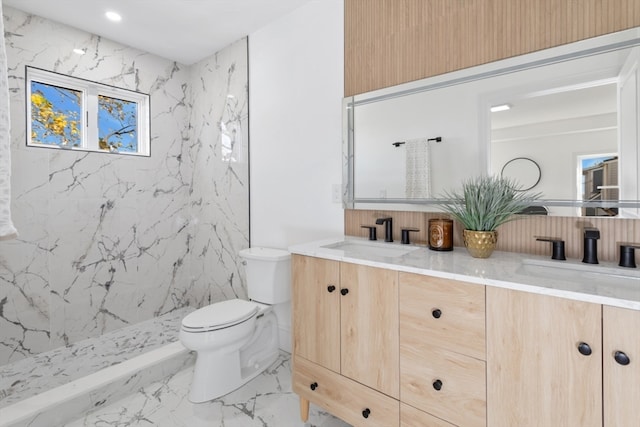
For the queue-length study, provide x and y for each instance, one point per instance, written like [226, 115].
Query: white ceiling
[570, 104]
[185, 31]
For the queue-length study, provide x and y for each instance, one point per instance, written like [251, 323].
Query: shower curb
[69, 401]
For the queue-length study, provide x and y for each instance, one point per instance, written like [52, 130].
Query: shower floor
[29, 377]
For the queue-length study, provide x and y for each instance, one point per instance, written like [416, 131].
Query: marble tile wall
[109, 240]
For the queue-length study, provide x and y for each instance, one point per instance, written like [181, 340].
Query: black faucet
[388, 228]
[557, 246]
[591, 236]
[372, 231]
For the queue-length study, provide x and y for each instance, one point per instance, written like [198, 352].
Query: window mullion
[91, 118]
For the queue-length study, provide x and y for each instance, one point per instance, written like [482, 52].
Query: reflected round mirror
[524, 172]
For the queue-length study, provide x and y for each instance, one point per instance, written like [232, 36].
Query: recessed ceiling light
[113, 16]
[502, 107]
[79, 51]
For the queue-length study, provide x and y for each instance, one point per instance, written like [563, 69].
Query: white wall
[295, 122]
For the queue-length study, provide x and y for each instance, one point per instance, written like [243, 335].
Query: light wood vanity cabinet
[442, 349]
[550, 361]
[345, 340]
[376, 347]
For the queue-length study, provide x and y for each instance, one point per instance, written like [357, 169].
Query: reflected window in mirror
[598, 181]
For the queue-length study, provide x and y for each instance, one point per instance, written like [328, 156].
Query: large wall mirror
[563, 122]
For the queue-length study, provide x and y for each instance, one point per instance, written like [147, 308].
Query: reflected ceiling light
[501, 107]
[79, 51]
[113, 16]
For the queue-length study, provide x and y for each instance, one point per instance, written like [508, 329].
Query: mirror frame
[579, 49]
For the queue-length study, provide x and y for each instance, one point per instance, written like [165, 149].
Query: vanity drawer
[344, 398]
[412, 417]
[443, 383]
[443, 312]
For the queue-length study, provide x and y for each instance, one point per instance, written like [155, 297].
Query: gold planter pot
[480, 244]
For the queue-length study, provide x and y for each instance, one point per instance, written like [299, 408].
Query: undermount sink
[369, 248]
[594, 272]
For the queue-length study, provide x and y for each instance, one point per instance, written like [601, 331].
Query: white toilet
[236, 340]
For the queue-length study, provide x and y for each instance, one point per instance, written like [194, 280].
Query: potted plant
[483, 204]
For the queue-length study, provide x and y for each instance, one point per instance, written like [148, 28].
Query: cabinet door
[621, 376]
[316, 310]
[536, 376]
[370, 337]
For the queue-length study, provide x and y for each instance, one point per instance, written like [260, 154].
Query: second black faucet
[388, 228]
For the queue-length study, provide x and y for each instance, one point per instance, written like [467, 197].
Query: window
[67, 112]
[598, 180]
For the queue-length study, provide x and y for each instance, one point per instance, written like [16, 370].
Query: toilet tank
[268, 274]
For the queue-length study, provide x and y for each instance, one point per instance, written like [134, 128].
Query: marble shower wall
[219, 157]
[110, 240]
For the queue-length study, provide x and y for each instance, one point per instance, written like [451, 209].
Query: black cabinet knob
[622, 358]
[331, 288]
[436, 313]
[313, 386]
[366, 412]
[437, 384]
[584, 349]
[344, 291]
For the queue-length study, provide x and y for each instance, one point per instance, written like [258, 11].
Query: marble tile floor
[266, 401]
[31, 376]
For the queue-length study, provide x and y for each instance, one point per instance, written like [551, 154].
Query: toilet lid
[220, 315]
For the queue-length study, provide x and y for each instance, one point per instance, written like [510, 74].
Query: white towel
[418, 169]
[7, 230]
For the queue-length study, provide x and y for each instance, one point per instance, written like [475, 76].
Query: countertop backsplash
[514, 236]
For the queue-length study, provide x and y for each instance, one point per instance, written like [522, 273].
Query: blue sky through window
[587, 163]
[55, 114]
[117, 124]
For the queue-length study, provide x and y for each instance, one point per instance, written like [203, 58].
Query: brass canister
[441, 234]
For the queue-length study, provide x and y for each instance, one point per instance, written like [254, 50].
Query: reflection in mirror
[524, 172]
[559, 130]
[568, 103]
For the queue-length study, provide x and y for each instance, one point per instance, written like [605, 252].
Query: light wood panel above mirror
[388, 42]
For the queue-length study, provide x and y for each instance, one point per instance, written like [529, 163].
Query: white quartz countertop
[604, 283]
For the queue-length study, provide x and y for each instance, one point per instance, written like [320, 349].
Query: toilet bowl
[235, 340]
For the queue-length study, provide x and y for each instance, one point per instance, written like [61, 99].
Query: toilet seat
[220, 315]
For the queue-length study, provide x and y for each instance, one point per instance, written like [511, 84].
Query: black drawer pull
[436, 313]
[331, 288]
[622, 358]
[437, 384]
[313, 386]
[344, 291]
[366, 412]
[584, 349]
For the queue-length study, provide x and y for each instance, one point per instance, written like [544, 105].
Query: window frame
[90, 91]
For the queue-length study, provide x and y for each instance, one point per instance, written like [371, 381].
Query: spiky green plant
[485, 202]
